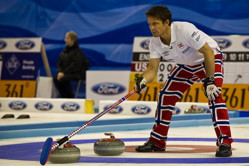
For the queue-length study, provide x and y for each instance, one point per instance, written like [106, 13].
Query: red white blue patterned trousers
[180, 79]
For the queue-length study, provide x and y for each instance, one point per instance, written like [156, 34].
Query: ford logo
[17, 105]
[25, 44]
[43, 106]
[223, 43]
[141, 109]
[116, 110]
[145, 44]
[3, 44]
[205, 109]
[70, 106]
[176, 111]
[108, 88]
[246, 43]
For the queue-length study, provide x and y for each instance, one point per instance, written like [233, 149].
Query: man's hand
[140, 85]
[60, 74]
[210, 90]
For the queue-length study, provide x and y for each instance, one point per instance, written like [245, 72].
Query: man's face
[157, 27]
[69, 42]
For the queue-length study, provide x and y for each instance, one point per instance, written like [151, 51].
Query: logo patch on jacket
[180, 45]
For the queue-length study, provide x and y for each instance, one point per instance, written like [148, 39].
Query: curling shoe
[149, 146]
[224, 150]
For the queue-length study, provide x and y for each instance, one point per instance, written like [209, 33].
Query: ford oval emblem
[43, 106]
[70, 106]
[25, 44]
[176, 111]
[223, 43]
[3, 44]
[205, 109]
[246, 43]
[17, 105]
[145, 44]
[116, 110]
[141, 109]
[108, 89]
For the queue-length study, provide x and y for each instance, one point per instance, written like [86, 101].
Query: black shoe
[148, 147]
[224, 150]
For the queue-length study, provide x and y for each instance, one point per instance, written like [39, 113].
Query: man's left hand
[210, 89]
[60, 74]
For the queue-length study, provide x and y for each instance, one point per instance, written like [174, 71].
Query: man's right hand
[140, 85]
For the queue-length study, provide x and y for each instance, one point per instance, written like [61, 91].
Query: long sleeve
[77, 61]
[59, 64]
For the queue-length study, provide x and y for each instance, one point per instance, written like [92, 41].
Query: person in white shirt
[197, 56]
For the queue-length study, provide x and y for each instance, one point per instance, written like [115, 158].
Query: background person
[197, 56]
[70, 66]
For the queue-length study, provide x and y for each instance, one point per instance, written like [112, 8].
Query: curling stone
[66, 153]
[109, 147]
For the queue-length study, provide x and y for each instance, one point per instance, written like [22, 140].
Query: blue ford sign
[176, 111]
[25, 44]
[108, 88]
[3, 44]
[145, 44]
[223, 43]
[141, 109]
[246, 43]
[43, 106]
[17, 105]
[70, 106]
[118, 109]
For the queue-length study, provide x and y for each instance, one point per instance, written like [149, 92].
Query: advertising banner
[235, 95]
[106, 85]
[17, 88]
[19, 105]
[20, 66]
[20, 60]
[235, 88]
[147, 108]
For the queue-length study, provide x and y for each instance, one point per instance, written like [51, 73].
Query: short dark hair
[160, 12]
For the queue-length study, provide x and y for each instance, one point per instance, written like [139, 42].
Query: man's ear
[167, 22]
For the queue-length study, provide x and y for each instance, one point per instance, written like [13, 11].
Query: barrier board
[43, 105]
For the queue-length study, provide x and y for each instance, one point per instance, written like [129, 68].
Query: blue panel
[20, 66]
[244, 114]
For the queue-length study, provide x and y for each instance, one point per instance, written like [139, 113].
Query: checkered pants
[180, 79]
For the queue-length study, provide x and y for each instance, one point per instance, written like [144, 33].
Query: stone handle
[111, 135]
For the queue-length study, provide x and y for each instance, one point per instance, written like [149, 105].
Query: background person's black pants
[64, 86]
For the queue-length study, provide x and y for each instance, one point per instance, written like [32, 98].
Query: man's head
[159, 20]
[160, 12]
[71, 38]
